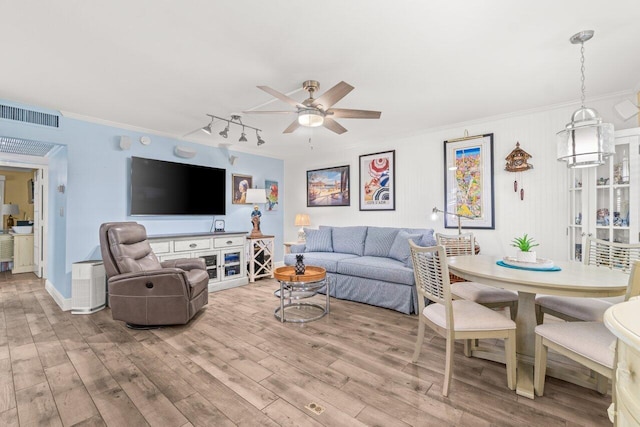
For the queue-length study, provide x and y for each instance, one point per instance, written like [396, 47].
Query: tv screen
[168, 188]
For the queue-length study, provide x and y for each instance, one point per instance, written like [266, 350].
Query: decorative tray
[540, 264]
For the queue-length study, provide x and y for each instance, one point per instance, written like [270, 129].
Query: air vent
[28, 116]
[25, 147]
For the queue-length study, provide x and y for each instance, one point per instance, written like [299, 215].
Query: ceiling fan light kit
[585, 141]
[315, 112]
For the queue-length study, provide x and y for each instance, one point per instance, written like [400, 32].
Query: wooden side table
[295, 287]
[261, 251]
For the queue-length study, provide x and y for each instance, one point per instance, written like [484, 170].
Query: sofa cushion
[327, 260]
[427, 238]
[400, 249]
[377, 268]
[379, 240]
[349, 240]
[318, 240]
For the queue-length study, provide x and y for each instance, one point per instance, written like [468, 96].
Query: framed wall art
[239, 186]
[468, 183]
[328, 187]
[378, 181]
[271, 188]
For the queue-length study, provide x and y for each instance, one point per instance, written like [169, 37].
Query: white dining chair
[588, 343]
[489, 296]
[455, 319]
[601, 253]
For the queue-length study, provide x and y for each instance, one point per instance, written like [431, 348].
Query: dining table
[568, 278]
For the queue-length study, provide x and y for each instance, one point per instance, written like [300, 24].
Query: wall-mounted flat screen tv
[167, 188]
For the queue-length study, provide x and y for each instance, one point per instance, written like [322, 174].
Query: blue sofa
[366, 264]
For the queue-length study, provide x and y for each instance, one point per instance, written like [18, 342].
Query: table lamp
[255, 196]
[302, 220]
[9, 209]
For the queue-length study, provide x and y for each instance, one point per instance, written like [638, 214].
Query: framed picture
[271, 188]
[378, 181]
[239, 186]
[328, 187]
[468, 183]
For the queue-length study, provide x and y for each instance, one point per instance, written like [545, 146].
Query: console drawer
[192, 244]
[160, 247]
[225, 242]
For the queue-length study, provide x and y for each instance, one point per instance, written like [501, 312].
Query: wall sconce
[302, 220]
[434, 217]
[234, 120]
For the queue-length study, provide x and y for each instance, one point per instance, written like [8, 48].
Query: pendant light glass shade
[586, 141]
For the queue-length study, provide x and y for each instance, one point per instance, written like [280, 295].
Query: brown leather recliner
[144, 291]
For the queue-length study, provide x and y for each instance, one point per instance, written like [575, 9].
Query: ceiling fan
[313, 112]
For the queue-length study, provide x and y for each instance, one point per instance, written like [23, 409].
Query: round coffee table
[294, 287]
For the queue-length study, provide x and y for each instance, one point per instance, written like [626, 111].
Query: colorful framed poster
[328, 187]
[239, 186]
[271, 188]
[468, 183]
[378, 181]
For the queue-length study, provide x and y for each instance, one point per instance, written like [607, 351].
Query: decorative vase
[300, 264]
[526, 256]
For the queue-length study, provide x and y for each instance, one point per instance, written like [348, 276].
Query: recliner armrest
[163, 282]
[185, 264]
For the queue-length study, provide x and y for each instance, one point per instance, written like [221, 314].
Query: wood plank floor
[234, 364]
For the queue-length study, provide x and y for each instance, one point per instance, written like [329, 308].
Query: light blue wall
[96, 173]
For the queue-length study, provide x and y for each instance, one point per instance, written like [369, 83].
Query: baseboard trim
[63, 303]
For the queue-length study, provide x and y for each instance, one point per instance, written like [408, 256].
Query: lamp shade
[256, 195]
[302, 220]
[10, 209]
[585, 141]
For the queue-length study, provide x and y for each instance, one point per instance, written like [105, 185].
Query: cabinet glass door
[232, 262]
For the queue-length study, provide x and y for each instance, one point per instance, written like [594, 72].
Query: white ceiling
[162, 65]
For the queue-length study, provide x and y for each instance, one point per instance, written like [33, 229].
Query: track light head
[260, 140]
[225, 133]
[243, 137]
[208, 128]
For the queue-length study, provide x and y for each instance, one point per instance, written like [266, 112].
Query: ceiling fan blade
[333, 95]
[269, 112]
[293, 126]
[334, 126]
[281, 96]
[346, 113]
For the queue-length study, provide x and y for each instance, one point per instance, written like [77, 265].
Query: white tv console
[223, 252]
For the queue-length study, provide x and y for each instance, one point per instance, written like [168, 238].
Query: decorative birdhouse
[517, 160]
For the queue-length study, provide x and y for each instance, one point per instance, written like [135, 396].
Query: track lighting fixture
[208, 128]
[234, 120]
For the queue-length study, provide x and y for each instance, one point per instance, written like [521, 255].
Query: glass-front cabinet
[604, 201]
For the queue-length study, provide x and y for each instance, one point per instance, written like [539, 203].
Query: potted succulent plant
[524, 244]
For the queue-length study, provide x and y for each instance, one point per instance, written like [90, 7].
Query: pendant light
[585, 141]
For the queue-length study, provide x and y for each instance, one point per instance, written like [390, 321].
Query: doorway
[26, 187]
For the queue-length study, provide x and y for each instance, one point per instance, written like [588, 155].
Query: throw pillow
[318, 240]
[379, 241]
[349, 240]
[400, 249]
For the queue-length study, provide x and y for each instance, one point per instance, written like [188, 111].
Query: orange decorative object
[288, 274]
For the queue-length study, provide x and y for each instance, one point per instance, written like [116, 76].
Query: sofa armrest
[187, 264]
[163, 282]
[298, 248]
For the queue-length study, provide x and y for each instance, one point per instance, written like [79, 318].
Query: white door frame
[41, 163]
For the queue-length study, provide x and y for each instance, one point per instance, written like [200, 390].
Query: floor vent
[29, 116]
